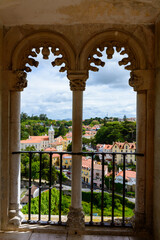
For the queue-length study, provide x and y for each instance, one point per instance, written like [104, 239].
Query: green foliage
[108, 183]
[35, 166]
[69, 147]
[38, 125]
[62, 130]
[86, 198]
[130, 194]
[116, 131]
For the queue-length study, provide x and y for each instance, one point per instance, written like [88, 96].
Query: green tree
[69, 147]
[62, 130]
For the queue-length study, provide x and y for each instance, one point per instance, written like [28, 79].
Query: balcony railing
[112, 223]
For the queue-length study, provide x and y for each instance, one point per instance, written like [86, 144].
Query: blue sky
[107, 92]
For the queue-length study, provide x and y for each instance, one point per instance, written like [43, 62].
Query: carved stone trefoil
[76, 218]
[21, 80]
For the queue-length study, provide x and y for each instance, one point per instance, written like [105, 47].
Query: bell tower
[51, 134]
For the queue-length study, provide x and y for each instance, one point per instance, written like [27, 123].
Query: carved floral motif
[77, 79]
[129, 62]
[136, 81]
[21, 80]
[77, 85]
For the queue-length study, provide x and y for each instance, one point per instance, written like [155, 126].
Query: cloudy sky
[107, 92]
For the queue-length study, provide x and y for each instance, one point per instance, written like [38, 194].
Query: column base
[15, 216]
[75, 219]
[139, 221]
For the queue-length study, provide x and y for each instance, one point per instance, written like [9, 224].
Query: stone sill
[89, 230]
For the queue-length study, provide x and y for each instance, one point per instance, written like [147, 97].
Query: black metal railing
[112, 223]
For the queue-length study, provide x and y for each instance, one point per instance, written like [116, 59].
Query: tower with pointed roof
[51, 134]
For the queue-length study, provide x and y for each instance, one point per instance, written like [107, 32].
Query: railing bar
[50, 184]
[40, 185]
[30, 186]
[113, 176]
[102, 199]
[79, 153]
[124, 173]
[60, 189]
[92, 170]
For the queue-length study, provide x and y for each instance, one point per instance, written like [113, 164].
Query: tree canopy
[116, 132]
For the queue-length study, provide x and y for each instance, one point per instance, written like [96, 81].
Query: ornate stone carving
[21, 80]
[46, 48]
[77, 80]
[76, 218]
[129, 62]
[141, 80]
[77, 85]
[136, 81]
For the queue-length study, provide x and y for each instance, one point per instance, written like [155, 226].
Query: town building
[39, 142]
[43, 142]
[97, 173]
[130, 180]
[118, 147]
[124, 147]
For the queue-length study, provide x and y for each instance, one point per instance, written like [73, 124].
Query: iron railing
[112, 223]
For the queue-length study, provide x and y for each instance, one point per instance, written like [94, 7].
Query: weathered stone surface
[78, 11]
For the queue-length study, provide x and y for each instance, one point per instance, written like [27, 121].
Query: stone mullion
[142, 82]
[150, 156]
[140, 161]
[14, 205]
[77, 83]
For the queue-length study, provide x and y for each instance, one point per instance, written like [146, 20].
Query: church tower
[51, 134]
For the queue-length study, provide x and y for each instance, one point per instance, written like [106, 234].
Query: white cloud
[107, 92]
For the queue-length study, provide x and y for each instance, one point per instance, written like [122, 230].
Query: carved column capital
[77, 79]
[15, 80]
[21, 81]
[141, 80]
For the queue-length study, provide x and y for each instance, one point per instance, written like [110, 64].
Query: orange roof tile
[51, 149]
[128, 174]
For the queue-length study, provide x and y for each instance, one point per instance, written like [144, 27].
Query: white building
[39, 142]
[130, 179]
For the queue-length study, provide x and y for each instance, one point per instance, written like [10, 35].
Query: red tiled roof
[108, 146]
[35, 139]
[86, 163]
[50, 149]
[121, 145]
[128, 174]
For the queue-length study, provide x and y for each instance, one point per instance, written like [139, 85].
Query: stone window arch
[141, 79]
[17, 67]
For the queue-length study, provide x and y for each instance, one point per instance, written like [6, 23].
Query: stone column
[140, 162]
[141, 81]
[77, 84]
[15, 215]
[14, 199]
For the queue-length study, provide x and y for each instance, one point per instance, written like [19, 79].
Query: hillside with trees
[86, 197]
